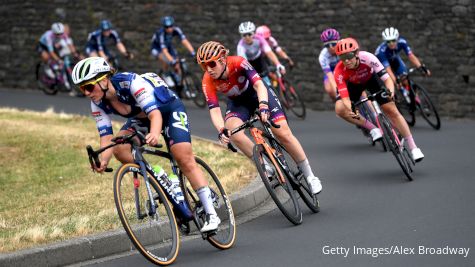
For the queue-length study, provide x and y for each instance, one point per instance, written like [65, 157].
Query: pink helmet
[330, 35]
[263, 31]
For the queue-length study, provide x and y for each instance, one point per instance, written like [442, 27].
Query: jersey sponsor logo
[125, 84]
[139, 92]
[241, 79]
[181, 120]
[340, 78]
[149, 109]
[96, 113]
[103, 131]
[246, 65]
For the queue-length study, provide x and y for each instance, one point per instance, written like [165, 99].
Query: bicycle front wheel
[154, 235]
[427, 108]
[396, 147]
[294, 100]
[225, 236]
[193, 85]
[278, 186]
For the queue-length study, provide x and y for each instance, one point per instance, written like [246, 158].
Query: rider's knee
[340, 109]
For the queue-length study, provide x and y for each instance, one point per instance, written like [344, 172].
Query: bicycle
[288, 95]
[391, 136]
[55, 78]
[150, 211]
[367, 112]
[416, 98]
[286, 178]
[188, 86]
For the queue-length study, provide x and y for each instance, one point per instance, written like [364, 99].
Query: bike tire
[157, 239]
[427, 107]
[390, 133]
[404, 108]
[225, 236]
[193, 85]
[46, 84]
[298, 180]
[282, 193]
[294, 100]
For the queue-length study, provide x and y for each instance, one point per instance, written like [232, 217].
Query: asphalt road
[368, 208]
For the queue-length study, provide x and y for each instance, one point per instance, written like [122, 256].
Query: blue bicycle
[150, 211]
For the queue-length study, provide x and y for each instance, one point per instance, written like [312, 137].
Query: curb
[113, 242]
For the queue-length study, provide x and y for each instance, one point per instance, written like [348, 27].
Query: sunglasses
[211, 64]
[330, 44]
[247, 34]
[390, 41]
[89, 87]
[347, 56]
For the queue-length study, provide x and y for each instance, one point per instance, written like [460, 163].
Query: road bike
[278, 170]
[52, 78]
[416, 98]
[289, 96]
[187, 85]
[151, 212]
[391, 137]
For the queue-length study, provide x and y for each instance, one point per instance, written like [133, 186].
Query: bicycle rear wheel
[225, 236]
[193, 85]
[281, 192]
[47, 84]
[390, 133]
[404, 108]
[301, 184]
[294, 100]
[155, 236]
[426, 107]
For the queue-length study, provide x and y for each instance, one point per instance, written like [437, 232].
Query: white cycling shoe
[315, 184]
[417, 154]
[212, 222]
[376, 134]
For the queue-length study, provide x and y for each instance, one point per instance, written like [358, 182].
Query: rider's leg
[329, 88]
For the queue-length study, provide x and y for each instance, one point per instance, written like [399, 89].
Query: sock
[368, 125]
[410, 142]
[304, 166]
[205, 196]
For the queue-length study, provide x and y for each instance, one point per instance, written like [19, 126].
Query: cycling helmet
[89, 68]
[106, 25]
[168, 21]
[263, 31]
[57, 28]
[210, 51]
[390, 34]
[247, 27]
[346, 45]
[329, 35]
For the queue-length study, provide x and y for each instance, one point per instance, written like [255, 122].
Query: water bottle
[405, 92]
[176, 187]
[161, 173]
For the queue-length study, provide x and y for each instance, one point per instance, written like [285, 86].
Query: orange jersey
[239, 84]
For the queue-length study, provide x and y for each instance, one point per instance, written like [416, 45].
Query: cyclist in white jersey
[328, 60]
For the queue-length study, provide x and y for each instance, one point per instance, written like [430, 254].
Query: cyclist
[238, 80]
[253, 48]
[328, 60]
[97, 42]
[360, 70]
[264, 32]
[388, 53]
[163, 50]
[144, 99]
[48, 46]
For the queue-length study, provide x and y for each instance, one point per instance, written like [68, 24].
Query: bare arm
[188, 46]
[155, 127]
[107, 154]
[217, 118]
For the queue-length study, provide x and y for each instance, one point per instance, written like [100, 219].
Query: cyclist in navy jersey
[388, 53]
[146, 100]
[98, 40]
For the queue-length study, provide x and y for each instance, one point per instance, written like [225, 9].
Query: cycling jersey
[50, 41]
[273, 44]
[143, 93]
[255, 53]
[390, 57]
[161, 39]
[96, 41]
[238, 87]
[327, 62]
[368, 66]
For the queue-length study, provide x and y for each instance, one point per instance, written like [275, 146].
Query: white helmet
[57, 28]
[390, 34]
[89, 68]
[247, 27]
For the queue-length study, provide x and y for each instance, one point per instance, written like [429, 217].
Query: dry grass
[48, 192]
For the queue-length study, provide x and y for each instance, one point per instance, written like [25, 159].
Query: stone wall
[441, 33]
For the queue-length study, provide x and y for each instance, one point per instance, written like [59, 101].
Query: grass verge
[48, 192]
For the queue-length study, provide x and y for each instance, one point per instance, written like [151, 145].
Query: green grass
[48, 192]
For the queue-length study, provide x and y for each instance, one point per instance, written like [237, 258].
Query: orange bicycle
[279, 171]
